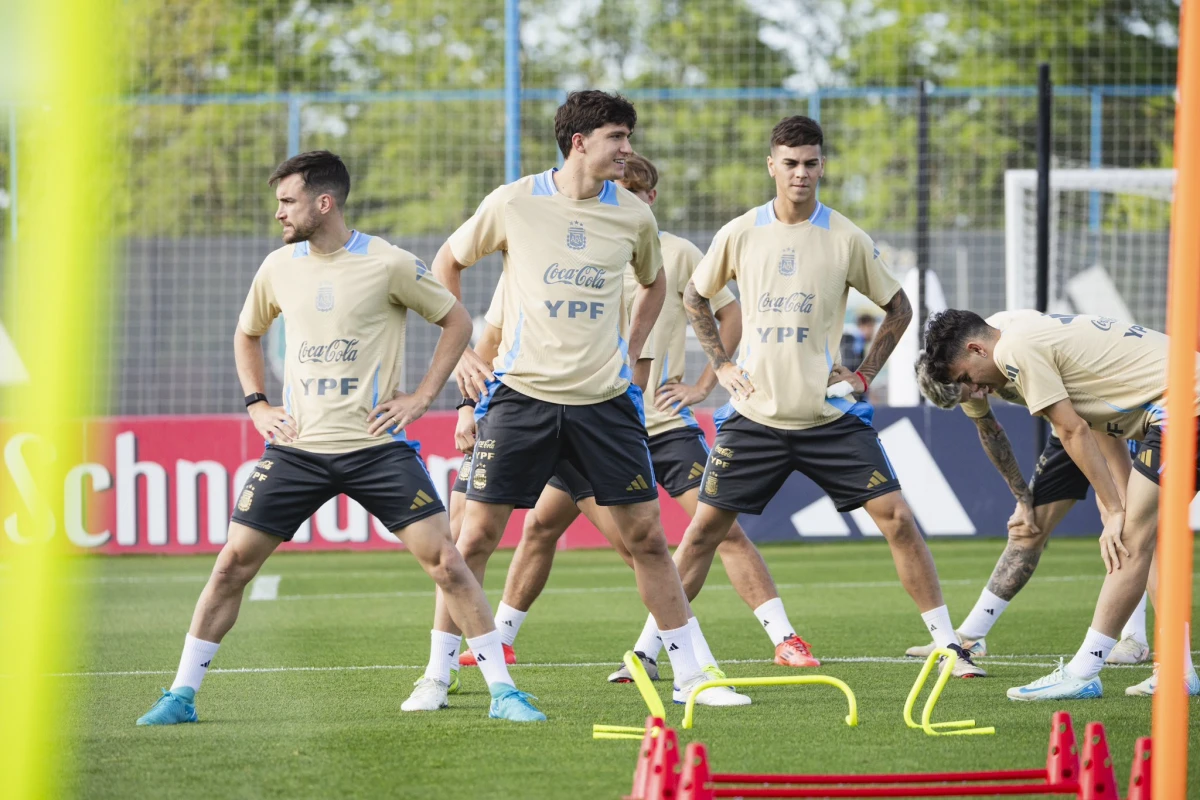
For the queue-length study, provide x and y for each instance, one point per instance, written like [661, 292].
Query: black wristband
[257, 397]
[466, 402]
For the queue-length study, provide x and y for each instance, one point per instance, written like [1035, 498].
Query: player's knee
[645, 541]
[234, 569]
[537, 532]
[1026, 538]
[478, 543]
[897, 522]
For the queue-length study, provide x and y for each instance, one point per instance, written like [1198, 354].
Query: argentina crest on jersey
[324, 297]
[787, 263]
[576, 235]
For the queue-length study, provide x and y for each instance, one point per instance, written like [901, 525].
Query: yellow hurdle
[962, 727]
[619, 729]
[646, 686]
[790, 680]
[632, 736]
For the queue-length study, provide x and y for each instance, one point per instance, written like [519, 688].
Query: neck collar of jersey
[766, 215]
[356, 244]
[544, 186]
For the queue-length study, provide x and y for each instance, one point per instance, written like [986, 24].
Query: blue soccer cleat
[1058, 685]
[174, 707]
[1147, 687]
[513, 705]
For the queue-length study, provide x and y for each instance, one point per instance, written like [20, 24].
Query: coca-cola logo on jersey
[335, 352]
[588, 277]
[796, 302]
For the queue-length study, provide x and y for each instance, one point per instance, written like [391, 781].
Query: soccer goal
[1109, 240]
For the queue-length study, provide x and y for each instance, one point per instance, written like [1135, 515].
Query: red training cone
[1097, 781]
[663, 764]
[641, 774]
[1139, 776]
[693, 781]
[1062, 761]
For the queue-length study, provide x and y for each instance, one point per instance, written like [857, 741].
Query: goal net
[1109, 241]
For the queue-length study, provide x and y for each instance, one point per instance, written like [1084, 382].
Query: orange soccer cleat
[795, 652]
[467, 658]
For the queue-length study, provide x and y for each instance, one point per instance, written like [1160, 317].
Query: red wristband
[862, 378]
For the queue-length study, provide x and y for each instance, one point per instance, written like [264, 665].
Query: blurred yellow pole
[1174, 602]
[58, 70]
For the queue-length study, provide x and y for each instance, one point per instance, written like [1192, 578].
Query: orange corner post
[1173, 606]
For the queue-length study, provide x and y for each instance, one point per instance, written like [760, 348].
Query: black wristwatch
[257, 397]
[466, 402]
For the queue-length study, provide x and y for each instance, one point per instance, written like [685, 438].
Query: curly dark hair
[585, 111]
[942, 395]
[797, 131]
[946, 335]
[322, 172]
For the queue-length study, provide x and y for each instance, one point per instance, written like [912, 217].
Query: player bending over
[1056, 486]
[1082, 373]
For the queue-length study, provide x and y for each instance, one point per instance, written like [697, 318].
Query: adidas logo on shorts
[877, 479]
[697, 471]
[638, 484]
[420, 500]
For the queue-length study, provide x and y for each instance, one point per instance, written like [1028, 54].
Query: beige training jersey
[345, 315]
[978, 407]
[1114, 373]
[793, 281]
[667, 339]
[563, 265]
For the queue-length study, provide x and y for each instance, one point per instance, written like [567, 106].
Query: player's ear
[577, 143]
[771, 166]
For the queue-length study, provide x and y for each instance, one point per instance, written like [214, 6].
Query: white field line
[265, 587]
[915, 662]
[713, 587]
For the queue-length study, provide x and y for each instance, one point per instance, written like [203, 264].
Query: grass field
[304, 700]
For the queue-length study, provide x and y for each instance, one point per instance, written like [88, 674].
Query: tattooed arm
[700, 315]
[899, 315]
[1000, 453]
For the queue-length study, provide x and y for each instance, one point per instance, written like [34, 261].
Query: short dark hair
[585, 111]
[946, 335]
[322, 173]
[797, 131]
[640, 174]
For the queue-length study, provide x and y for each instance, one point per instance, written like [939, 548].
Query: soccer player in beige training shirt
[564, 387]
[346, 296]
[1084, 374]
[794, 260]
[1056, 486]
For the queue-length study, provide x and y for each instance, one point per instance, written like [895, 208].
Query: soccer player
[794, 260]
[563, 388]
[341, 427]
[1082, 373]
[678, 451]
[1056, 486]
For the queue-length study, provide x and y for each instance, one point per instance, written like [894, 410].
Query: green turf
[339, 732]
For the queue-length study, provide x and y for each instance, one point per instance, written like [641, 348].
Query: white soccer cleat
[1129, 651]
[964, 667]
[427, 695]
[977, 649]
[1058, 685]
[715, 696]
[1146, 688]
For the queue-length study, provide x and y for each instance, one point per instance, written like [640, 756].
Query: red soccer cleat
[467, 658]
[795, 652]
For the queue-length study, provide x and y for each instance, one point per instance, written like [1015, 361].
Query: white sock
[1136, 626]
[508, 622]
[193, 664]
[649, 643]
[443, 655]
[983, 616]
[704, 656]
[1088, 662]
[940, 628]
[683, 657]
[774, 620]
[489, 654]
